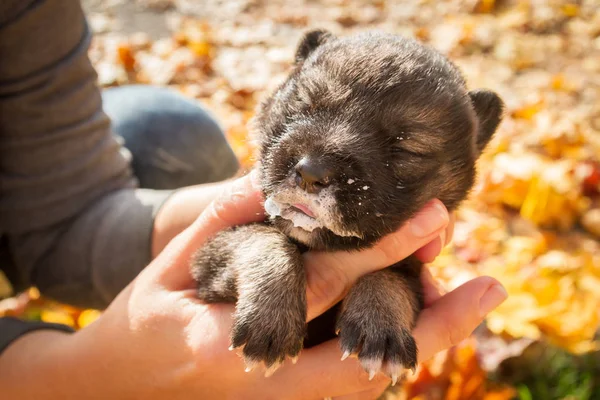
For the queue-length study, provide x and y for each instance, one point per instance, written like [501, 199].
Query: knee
[171, 138]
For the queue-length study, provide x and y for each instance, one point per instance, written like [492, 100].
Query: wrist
[42, 364]
[52, 364]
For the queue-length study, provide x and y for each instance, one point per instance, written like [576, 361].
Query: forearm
[49, 364]
[111, 358]
[43, 364]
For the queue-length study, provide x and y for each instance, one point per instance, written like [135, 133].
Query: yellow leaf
[529, 111]
[201, 49]
[87, 317]
[570, 9]
[57, 317]
[5, 286]
[34, 294]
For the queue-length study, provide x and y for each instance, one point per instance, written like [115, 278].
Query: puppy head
[366, 130]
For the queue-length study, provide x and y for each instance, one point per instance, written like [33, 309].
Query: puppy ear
[488, 107]
[310, 41]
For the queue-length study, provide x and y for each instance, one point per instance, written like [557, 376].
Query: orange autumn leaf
[242, 147]
[126, 57]
[452, 375]
[485, 6]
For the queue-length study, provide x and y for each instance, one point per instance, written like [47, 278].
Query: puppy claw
[371, 365]
[239, 348]
[337, 332]
[345, 355]
[395, 371]
[250, 365]
[372, 374]
[271, 370]
[394, 378]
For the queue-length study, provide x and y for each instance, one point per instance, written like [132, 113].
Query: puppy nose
[312, 176]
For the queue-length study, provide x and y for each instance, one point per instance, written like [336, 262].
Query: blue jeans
[172, 141]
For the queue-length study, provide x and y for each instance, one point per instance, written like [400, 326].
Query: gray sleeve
[12, 328]
[89, 259]
[74, 222]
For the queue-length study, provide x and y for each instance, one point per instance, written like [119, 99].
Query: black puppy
[364, 132]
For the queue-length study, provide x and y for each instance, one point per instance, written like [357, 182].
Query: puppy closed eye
[417, 141]
[412, 168]
[414, 152]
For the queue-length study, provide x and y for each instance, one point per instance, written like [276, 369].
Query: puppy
[362, 134]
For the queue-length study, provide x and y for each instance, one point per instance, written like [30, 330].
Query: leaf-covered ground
[533, 221]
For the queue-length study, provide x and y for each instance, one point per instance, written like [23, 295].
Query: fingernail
[237, 191]
[449, 231]
[443, 242]
[491, 299]
[240, 188]
[433, 217]
[439, 286]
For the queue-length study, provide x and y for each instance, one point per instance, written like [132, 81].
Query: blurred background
[533, 221]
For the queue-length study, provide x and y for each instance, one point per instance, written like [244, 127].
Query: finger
[241, 202]
[431, 289]
[330, 274]
[453, 317]
[320, 373]
[431, 250]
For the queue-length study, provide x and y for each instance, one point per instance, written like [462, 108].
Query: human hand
[156, 340]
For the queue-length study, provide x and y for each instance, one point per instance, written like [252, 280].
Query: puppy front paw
[378, 346]
[269, 332]
[376, 321]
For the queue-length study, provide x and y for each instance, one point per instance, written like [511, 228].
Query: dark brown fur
[392, 123]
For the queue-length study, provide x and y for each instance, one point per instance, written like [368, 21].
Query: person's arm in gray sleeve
[75, 225]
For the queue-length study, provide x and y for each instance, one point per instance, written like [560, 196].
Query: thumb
[454, 316]
[239, 203]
